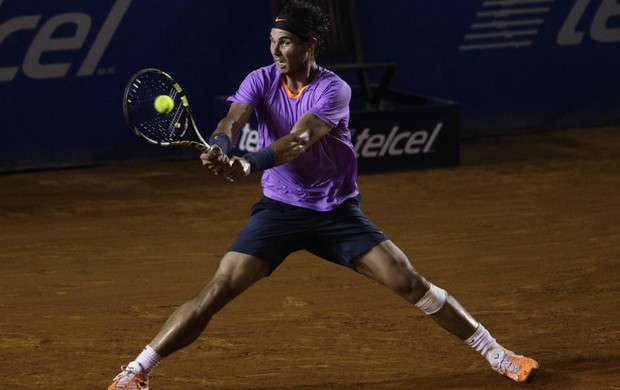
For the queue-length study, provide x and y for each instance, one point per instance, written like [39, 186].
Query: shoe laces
[127, 374]
[507, 364]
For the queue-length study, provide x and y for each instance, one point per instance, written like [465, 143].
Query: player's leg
[388, 265]
[235, 274]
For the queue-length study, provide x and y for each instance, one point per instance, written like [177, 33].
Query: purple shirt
[324, 175]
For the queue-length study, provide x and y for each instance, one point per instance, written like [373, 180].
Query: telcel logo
[602, 28]
[395, 143]
[44, 42]
[248, 142]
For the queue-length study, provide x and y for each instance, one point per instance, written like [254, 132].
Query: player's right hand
[215, 160]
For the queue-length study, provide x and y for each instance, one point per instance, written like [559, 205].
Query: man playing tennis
[310, 202]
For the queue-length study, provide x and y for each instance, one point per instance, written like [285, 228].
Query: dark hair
[311, 16]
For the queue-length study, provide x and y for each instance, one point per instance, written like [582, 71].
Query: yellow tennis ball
[163, 104]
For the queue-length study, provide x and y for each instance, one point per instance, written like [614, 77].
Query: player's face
[290, 53]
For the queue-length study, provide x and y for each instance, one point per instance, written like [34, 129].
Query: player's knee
[410, 286]
[214, 297]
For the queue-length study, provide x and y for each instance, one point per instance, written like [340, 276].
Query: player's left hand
[215, 160]
[239, 167]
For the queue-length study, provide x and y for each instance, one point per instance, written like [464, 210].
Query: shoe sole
[533, 373]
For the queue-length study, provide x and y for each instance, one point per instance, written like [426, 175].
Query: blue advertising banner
[64, 66]
[510, 65]
[406, 136]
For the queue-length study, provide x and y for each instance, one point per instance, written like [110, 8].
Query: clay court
[525, 233]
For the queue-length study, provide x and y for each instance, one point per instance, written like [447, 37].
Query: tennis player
[311, 201]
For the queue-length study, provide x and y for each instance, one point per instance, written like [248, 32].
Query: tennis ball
[163, 104]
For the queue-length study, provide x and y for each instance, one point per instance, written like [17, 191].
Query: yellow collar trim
[288, 91]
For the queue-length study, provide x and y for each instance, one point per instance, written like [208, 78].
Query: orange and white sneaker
[130, 378]
[516, 367]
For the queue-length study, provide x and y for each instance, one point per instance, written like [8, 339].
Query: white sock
[147, 360]
[485, 344]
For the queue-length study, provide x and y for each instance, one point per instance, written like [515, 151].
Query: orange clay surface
[525, 233]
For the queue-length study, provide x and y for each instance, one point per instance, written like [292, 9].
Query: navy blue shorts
[276, 229]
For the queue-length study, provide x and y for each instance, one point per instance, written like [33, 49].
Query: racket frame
[201, 144]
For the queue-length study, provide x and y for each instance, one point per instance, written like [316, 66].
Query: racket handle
[206, 148]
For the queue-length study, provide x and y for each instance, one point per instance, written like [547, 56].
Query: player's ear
[312, 45]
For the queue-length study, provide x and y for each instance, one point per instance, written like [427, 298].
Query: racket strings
[175, 123]
[158, 127]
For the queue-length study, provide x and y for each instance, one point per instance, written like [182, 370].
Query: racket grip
[207, 148]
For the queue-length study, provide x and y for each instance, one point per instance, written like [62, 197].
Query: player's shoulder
[268, 72]
[262, 78]
[329, 82]
[327, 74]
[327, 77]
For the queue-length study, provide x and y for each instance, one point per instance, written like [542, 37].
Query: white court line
[503, 34]
[510, 3]
[512, 12]
[484, 46]
[502, 24]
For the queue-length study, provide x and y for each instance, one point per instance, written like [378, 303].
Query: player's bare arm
[238, 115]
[306, 131]
[309, 129]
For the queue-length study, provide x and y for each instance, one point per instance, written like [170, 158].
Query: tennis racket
[174, 128]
